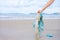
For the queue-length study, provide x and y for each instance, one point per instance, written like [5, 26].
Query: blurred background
[17, 16]
[20, 8]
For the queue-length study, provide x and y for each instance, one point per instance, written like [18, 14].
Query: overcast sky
[27, 6]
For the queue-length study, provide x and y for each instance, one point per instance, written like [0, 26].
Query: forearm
[47, 5]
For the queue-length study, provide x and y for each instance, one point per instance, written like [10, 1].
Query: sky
[27, 6]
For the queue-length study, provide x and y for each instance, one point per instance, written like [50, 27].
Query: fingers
[38, 11]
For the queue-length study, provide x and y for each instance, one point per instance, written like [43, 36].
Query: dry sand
[22, 29]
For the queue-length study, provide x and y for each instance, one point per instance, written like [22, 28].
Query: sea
[29, 16]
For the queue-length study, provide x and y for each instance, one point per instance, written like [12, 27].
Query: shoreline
[24, 18]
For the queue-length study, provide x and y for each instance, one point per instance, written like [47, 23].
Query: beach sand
[22, 29]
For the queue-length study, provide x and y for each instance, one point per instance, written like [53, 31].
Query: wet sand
[22, 29]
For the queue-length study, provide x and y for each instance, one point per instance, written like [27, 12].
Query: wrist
[42, 10]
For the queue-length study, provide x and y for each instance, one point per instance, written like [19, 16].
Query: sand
[22, 29]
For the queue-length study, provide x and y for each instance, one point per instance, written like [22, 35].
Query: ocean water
[21, 16]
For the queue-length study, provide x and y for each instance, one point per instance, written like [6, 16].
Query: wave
[28, 16]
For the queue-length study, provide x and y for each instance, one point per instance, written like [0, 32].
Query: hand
[39, 11]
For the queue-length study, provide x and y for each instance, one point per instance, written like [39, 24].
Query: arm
[46, 5]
